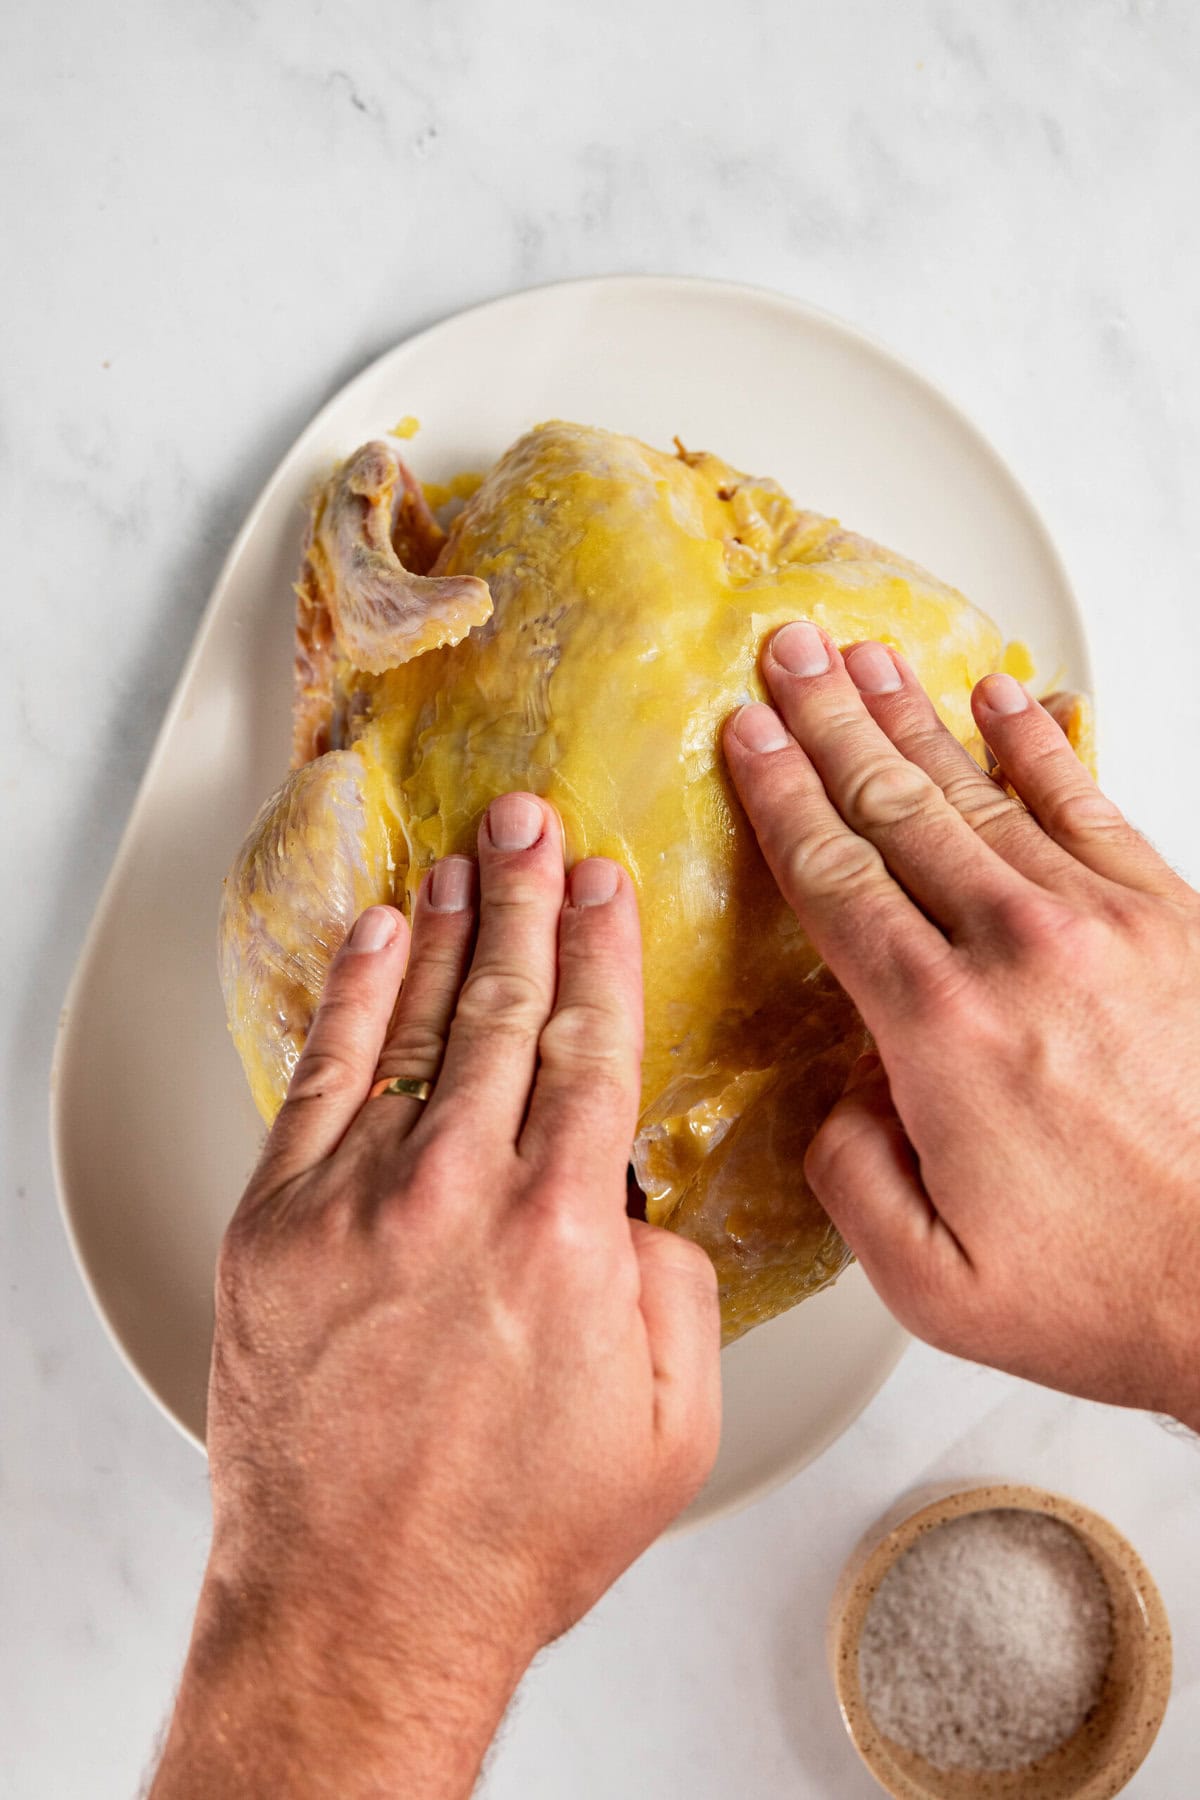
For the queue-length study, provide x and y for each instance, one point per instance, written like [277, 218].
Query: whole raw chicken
[593, 616]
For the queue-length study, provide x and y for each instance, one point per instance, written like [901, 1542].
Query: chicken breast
[630, 593]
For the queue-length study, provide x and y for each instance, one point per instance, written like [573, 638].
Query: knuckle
[888, 790]
[1083, 940]
[321, 1075]
[515, 889]
[832, 860]
[1051, 928]
[502, 998]
[415, 1047]
[986, 807]
[1084, 812]
[1031, 915]
[566, 1233]
[590, 1038]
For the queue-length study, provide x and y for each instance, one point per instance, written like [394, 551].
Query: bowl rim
[922, 1510]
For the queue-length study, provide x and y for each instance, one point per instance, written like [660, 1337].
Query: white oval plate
[154, 1132]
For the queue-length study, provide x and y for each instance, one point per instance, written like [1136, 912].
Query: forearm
[310, 1703]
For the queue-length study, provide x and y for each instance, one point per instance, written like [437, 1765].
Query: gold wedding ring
[402, 1084]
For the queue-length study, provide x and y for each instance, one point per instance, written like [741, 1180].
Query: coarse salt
[986, 1644]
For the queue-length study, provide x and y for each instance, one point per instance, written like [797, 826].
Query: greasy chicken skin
[593, 616]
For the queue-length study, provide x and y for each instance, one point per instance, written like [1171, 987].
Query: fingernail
[593, 882]
[872, 670]
[1001, 694]
[800, 649]
[514, 822]
[450, 885]
[374, 929]
[759, 727]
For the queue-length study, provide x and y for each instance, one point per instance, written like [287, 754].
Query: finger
[683, 1331]
[878, 944]
[929, 849]
[337, 1065]
[491, 1052]
[584, 1108]
[904, 712]
[442, 929]
[864, 1171]
[1035, 756]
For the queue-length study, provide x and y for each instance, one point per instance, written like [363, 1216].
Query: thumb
[866, 1174]
[683, 1332]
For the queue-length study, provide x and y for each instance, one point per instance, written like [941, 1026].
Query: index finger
[337, 1065]
[881, 947]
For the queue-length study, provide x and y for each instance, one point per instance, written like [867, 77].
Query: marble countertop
[215, 213]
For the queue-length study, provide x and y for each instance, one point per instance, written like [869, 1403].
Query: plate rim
[610, 284]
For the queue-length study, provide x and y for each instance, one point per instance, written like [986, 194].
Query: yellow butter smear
[459, 487]
[1017, 661]
[632, 592]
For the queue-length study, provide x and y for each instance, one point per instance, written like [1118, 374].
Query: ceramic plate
[154, 1131]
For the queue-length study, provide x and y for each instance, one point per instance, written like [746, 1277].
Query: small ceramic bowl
[1115, 1738]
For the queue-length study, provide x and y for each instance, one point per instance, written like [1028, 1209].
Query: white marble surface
[216, 211]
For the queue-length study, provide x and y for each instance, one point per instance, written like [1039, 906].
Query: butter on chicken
[591, 617]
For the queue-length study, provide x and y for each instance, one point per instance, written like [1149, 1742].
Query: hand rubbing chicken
[593, 616]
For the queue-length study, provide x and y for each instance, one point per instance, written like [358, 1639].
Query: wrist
[315, 1692]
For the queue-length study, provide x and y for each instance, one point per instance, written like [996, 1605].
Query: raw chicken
[630, 592]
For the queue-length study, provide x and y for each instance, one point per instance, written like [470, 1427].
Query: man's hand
[455, 1390]
[1020, 1174]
